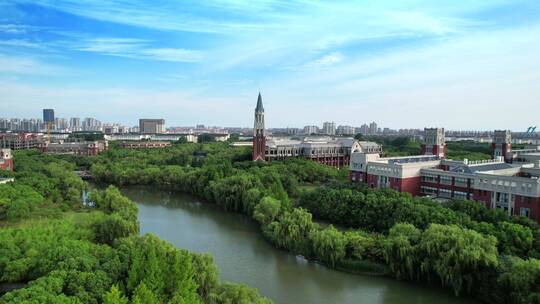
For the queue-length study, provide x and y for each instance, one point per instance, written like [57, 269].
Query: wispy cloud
[21, 43]
[172, 54]
[326, 60]
[29, 66]
[137, 49]
[13, 28]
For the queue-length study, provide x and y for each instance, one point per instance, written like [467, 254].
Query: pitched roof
[259, 107]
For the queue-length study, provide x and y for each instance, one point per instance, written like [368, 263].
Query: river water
[243, 256]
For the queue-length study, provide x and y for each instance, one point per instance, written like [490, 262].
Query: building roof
[482, 167]
[310, 141]
[259, 107]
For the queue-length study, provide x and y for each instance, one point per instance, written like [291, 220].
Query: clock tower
[259, 134]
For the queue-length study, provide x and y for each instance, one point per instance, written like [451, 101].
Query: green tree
[328, 244]
[267, 210]
[143, 295]
[114, 296]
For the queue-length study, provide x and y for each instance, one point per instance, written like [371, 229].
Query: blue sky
[405, 64]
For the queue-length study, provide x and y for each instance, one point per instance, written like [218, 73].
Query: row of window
[443, 192]
[446, 180]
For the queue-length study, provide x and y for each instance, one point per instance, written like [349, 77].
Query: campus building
[18, 141]
[510, 181]
[145, 144]
[86, 148]
[151, 126]
[332, 151]
[6, 160]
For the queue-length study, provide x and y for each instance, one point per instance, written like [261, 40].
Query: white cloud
[110, 46]
[21, 43]
[13, 28]
[134, 48]
[326, 60]
[172, 54]
[29, 66]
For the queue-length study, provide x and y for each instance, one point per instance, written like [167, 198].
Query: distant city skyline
[406, 64]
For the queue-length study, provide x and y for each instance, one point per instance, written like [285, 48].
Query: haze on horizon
[403, 64]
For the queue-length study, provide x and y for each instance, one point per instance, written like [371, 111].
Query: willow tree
[456, 255]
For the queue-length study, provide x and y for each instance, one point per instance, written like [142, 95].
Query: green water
[243, 256]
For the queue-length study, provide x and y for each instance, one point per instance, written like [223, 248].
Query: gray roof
[482, 168]
[311, 141]
[259, 107]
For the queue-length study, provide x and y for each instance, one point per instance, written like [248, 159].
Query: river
[243, 256]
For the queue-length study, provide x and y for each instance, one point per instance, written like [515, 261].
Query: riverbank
[243, 256]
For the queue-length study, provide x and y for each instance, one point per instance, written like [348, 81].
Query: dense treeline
[462, 245]
[45, 186]
[379, 210]
[73, 253]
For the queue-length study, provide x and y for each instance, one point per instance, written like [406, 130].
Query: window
[446, 180]
[524, 212]
[428, 190]
[445, 193]
[429, 178]
[460, 195]
[460, 181]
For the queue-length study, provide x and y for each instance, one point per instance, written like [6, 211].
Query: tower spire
[259, 107]
[259, 134]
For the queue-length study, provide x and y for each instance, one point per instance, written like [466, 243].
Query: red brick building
[6, 160]
[510, 181]
[87, 148]
[331, 151]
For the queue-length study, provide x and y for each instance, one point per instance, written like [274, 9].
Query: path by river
[243, 256]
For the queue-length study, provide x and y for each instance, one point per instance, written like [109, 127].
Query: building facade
[513, 186]
[6, 160]
[346, 130]
[86, 148]
[19, 141]
[309, 130]
[151, 126]
[329, 128]
[434, 142]
[502, 145]
[48, 115]
[326, 150]
[145, 144]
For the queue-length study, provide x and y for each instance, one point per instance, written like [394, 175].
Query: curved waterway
[243, 256]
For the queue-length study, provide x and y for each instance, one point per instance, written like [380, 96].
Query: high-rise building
[364, 129]
[308, 130]
[48, 115]
[373, 128]
[329, 128]
[91, 124]
[151, 126]
[345, 130]
[259, 133]
[61, 124]
[75, 124]
[292, 131]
